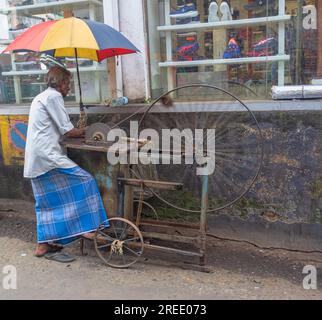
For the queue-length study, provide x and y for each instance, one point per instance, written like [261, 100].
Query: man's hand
[75, 133]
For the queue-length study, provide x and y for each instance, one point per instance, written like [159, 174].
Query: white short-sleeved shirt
[48, 122]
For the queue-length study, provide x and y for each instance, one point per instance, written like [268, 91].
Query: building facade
[255, 43]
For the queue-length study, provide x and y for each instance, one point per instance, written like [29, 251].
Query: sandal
[52, 249]
[60, 257]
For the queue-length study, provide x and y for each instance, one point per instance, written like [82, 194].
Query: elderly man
[68, 203]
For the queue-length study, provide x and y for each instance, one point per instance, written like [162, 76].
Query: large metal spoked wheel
[236, 141]
[120, 245]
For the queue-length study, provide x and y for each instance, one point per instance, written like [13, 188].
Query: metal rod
[81, 105]
[166, 249]
[152, 184]
[169, 237]
[166, 224]
[203, 218]
[139, 211]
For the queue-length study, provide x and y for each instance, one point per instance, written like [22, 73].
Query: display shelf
[33, 72]
[209, 62]
[279, 20]
[38, 8]
[225, 24]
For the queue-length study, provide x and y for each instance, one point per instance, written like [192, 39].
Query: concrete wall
[283, 209]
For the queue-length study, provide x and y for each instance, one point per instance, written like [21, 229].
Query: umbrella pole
[81, 105]
[82, 119]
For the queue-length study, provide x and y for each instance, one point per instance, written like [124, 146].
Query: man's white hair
[56, 76]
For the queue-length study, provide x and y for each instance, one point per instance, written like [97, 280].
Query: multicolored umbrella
[92, 40]
[73, 37]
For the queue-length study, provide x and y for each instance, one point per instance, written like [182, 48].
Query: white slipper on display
[225, 11]
[213, 12]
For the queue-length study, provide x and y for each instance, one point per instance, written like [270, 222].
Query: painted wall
[13, 139]
[13, 131]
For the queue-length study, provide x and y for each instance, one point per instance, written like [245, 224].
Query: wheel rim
[232, 157]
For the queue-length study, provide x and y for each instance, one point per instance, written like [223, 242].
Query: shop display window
[22, 75]
[254, 43]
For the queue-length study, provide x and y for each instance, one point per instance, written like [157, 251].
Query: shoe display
[27, 61]
[213, 12]
[71, 62]
[270, 43]
[225, 11]
[185, 11]
[259, 5]
[195, 19]
[233, 50]
[50, 61]
[188, 49]
[26, 57]
[265, 47]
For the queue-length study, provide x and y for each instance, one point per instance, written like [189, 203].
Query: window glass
[22, 75]
[234, 44]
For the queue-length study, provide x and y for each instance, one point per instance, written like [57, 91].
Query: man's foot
[42, 249]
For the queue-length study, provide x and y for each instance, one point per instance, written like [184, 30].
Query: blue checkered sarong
[68, 204]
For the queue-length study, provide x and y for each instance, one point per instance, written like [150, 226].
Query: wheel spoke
[125, 228]
[110, 256]
[114, 231]
[234, 163]
[104, 246]
[106, 236]
[131, 239]
[224, 177]
[135, 253]
[237, 163]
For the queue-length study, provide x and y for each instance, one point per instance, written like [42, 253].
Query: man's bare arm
[75, 133]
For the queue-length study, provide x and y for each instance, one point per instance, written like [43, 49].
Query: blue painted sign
[18, 133]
